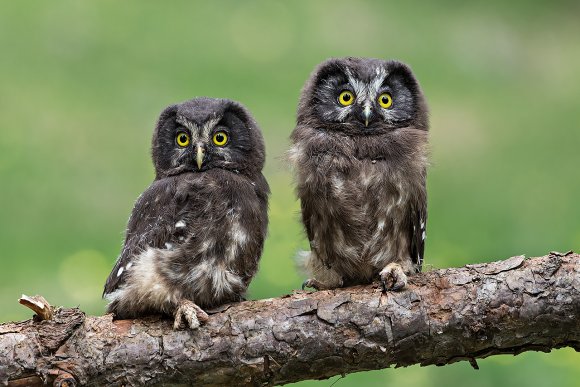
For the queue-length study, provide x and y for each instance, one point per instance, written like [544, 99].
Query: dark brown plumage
[360, 155]
[195, 236]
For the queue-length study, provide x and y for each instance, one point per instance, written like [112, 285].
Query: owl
[195, 236]
[359, 151]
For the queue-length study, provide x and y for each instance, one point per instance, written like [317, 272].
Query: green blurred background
[82, 84]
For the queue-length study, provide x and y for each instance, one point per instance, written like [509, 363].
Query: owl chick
[360, 156]
[196, 234]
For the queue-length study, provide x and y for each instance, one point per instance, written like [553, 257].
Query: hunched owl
[195, 236]
[359, 151]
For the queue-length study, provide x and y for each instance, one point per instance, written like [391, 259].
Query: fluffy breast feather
[207, 251]
[356, 196]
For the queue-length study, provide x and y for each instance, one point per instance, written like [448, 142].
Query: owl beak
[200, 155]
[367, 114]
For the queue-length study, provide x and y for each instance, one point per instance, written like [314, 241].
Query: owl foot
[188, 314]
[393, 277]
[314, 284]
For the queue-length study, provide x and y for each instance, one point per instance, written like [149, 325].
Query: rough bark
[442, 317]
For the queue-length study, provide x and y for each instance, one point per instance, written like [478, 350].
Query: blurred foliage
[82, 83]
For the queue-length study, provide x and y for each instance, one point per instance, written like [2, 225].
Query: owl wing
[417, 233]
[152, 224]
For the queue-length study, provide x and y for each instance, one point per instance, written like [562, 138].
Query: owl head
[362, 96]
[206, 133]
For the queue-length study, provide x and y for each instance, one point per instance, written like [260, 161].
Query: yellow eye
[220, 138]
[182, 139]
[346, 98]
[385, 100]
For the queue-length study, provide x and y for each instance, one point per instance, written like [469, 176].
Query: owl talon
[308, 284]
[393, 277]
[188, 314]
[314, 284]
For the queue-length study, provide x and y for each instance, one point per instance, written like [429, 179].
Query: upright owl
[195, 236]
[360, 155]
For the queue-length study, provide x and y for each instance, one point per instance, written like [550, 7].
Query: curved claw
[314, 284]
[384, 286]
[391, 286]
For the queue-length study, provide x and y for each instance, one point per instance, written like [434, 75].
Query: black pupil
[385, 99]
[346, 97]
[219, 138]
[182, 138]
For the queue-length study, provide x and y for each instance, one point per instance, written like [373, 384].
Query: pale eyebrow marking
[199, 133]
[359, 87]
[188, 124]
[377, 81]
[367, 91]
[209, 125]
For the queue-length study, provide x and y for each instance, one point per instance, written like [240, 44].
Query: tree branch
[442, 317]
